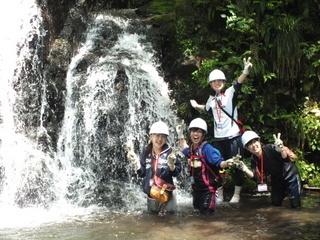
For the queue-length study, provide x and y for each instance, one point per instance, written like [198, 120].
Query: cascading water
[74, 186]
[26, 171]
[114, 92]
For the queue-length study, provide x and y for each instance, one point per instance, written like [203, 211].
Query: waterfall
[24, 167]
[25, 170]
[114, 92]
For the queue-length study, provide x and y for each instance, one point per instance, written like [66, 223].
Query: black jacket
[146, 170]
[274, 165]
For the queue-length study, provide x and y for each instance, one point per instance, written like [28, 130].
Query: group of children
[159, 163]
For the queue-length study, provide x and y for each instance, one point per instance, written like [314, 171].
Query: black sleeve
[237, 87]
[142, 171]
[253, 169]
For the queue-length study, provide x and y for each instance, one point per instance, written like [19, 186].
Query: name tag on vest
[262, 187]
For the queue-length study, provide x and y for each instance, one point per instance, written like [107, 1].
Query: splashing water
[114, 93]
[23, 168]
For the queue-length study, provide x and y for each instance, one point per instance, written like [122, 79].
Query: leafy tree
[281, 36]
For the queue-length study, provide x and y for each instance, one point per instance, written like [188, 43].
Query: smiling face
[158, 140]
[254, 147]
[217, 85]
[196, 136]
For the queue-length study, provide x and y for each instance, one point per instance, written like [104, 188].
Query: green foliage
[269, 76]
[312, 52]
[187, 45]
[201, 75]
[287, 51]
[311, 81]
[161, 6]
[281, 36]
[238, 23]
[309, 120]
[309, 172]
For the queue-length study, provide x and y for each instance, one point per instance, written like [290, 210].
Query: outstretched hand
[233, 161]
[278, 142]
[247, 65]
[243, 167]
[194, 103]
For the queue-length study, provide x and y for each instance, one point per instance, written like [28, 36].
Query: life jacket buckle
[195, 162]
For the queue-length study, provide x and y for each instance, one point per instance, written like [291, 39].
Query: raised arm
[283, 150]
[247, 65]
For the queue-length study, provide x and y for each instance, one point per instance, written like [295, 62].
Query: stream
[253, 218]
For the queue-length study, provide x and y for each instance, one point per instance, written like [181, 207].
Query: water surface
[254, 218]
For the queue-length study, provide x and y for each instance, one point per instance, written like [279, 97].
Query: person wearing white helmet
[204, 162]
[227, 128]
[275, 160]
[158, 164]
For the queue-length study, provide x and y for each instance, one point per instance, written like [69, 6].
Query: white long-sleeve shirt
[224, 126]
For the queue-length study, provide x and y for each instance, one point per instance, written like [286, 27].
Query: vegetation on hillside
[283, 39]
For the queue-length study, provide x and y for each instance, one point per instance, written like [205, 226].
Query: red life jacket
[204, 176]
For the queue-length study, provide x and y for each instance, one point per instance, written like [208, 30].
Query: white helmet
[247, 136]
[216, 74]
[159, 128]
[198, 123]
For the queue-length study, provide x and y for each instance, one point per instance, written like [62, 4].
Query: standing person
[204, 162]
[222, 106]
[157, 166]
[274, 160]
